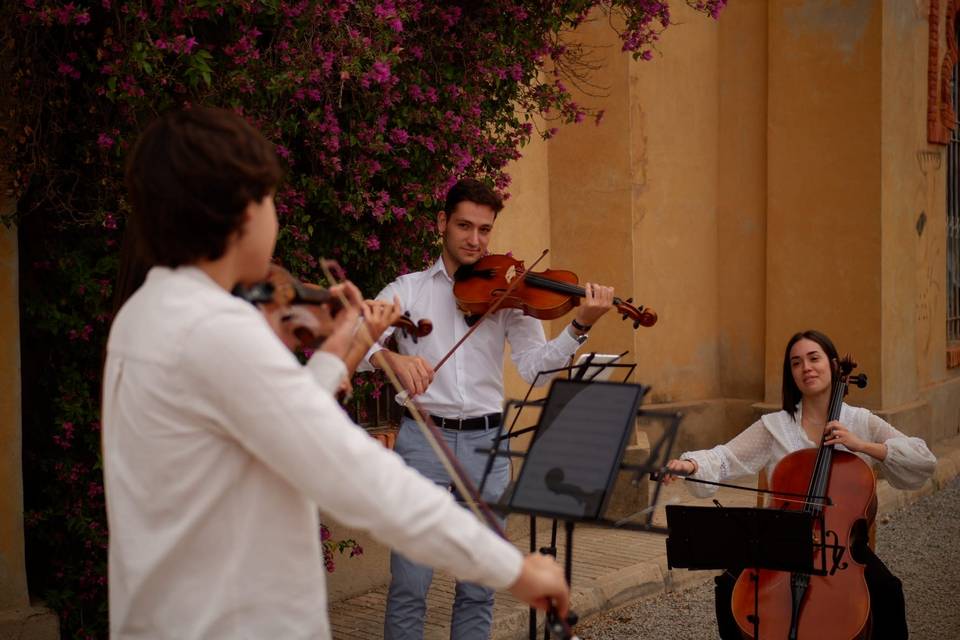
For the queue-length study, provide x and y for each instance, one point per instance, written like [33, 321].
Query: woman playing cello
[802, 423]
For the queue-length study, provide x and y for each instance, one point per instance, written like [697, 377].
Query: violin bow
[785, 496]
[451, 464]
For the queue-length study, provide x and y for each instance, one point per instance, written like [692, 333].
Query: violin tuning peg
[636, 324]
[406, 313]
[630, 300]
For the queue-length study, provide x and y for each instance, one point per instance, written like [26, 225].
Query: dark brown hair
[791, 392]
[471, 190]
[190, 179]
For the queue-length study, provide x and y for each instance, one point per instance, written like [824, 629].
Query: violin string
[563, 287]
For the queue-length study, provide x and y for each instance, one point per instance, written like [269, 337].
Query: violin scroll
[844, 368]
[641, 316]
[413, 329]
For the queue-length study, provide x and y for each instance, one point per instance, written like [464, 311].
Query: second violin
[281, 288]
[544, 295]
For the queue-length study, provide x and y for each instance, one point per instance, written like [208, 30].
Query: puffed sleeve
[745, 455]
[909, 462]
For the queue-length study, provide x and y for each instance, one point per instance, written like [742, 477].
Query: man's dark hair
[791, 392]
[471, 190]
[190, 178]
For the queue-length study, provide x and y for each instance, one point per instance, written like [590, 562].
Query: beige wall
[591, 181]
[824, 192]
[675, 137]
[903, 190]
[742, 192]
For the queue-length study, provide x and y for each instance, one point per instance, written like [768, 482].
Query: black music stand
[739, 538]
[585, 371]
[572, 463]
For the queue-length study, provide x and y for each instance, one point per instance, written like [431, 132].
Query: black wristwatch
[580, 327]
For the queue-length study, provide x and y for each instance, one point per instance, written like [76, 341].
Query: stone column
[824, 183]
[17, 618]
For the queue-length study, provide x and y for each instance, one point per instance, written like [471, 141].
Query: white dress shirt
[470, 384]
[218, 447]
[765, 443]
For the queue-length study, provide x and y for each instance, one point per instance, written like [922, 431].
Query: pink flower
[380, 72]
[65, 13]
[104, 141]
[65, 69]
[373, 243]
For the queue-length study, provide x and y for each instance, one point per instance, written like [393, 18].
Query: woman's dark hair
[190, 178]
[471, 190]
[791, 393]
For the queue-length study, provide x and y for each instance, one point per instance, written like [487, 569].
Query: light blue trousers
[407, 599]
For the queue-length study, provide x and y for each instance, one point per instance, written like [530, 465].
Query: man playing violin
[465, 396]
[219, 446]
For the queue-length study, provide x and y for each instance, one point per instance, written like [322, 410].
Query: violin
[544, 295]
[840, 491]
[282, 289]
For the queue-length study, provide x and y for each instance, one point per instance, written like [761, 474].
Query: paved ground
[614, 568]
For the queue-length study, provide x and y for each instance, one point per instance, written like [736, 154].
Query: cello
[837, 604]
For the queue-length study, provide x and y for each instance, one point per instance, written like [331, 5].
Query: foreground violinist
[466, 396]
[218, 446]
[906, 463]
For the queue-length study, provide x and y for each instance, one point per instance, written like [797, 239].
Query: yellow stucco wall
[675, 138]
[742, 193]
[903, 190]
[824, 191]
[13, 581]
